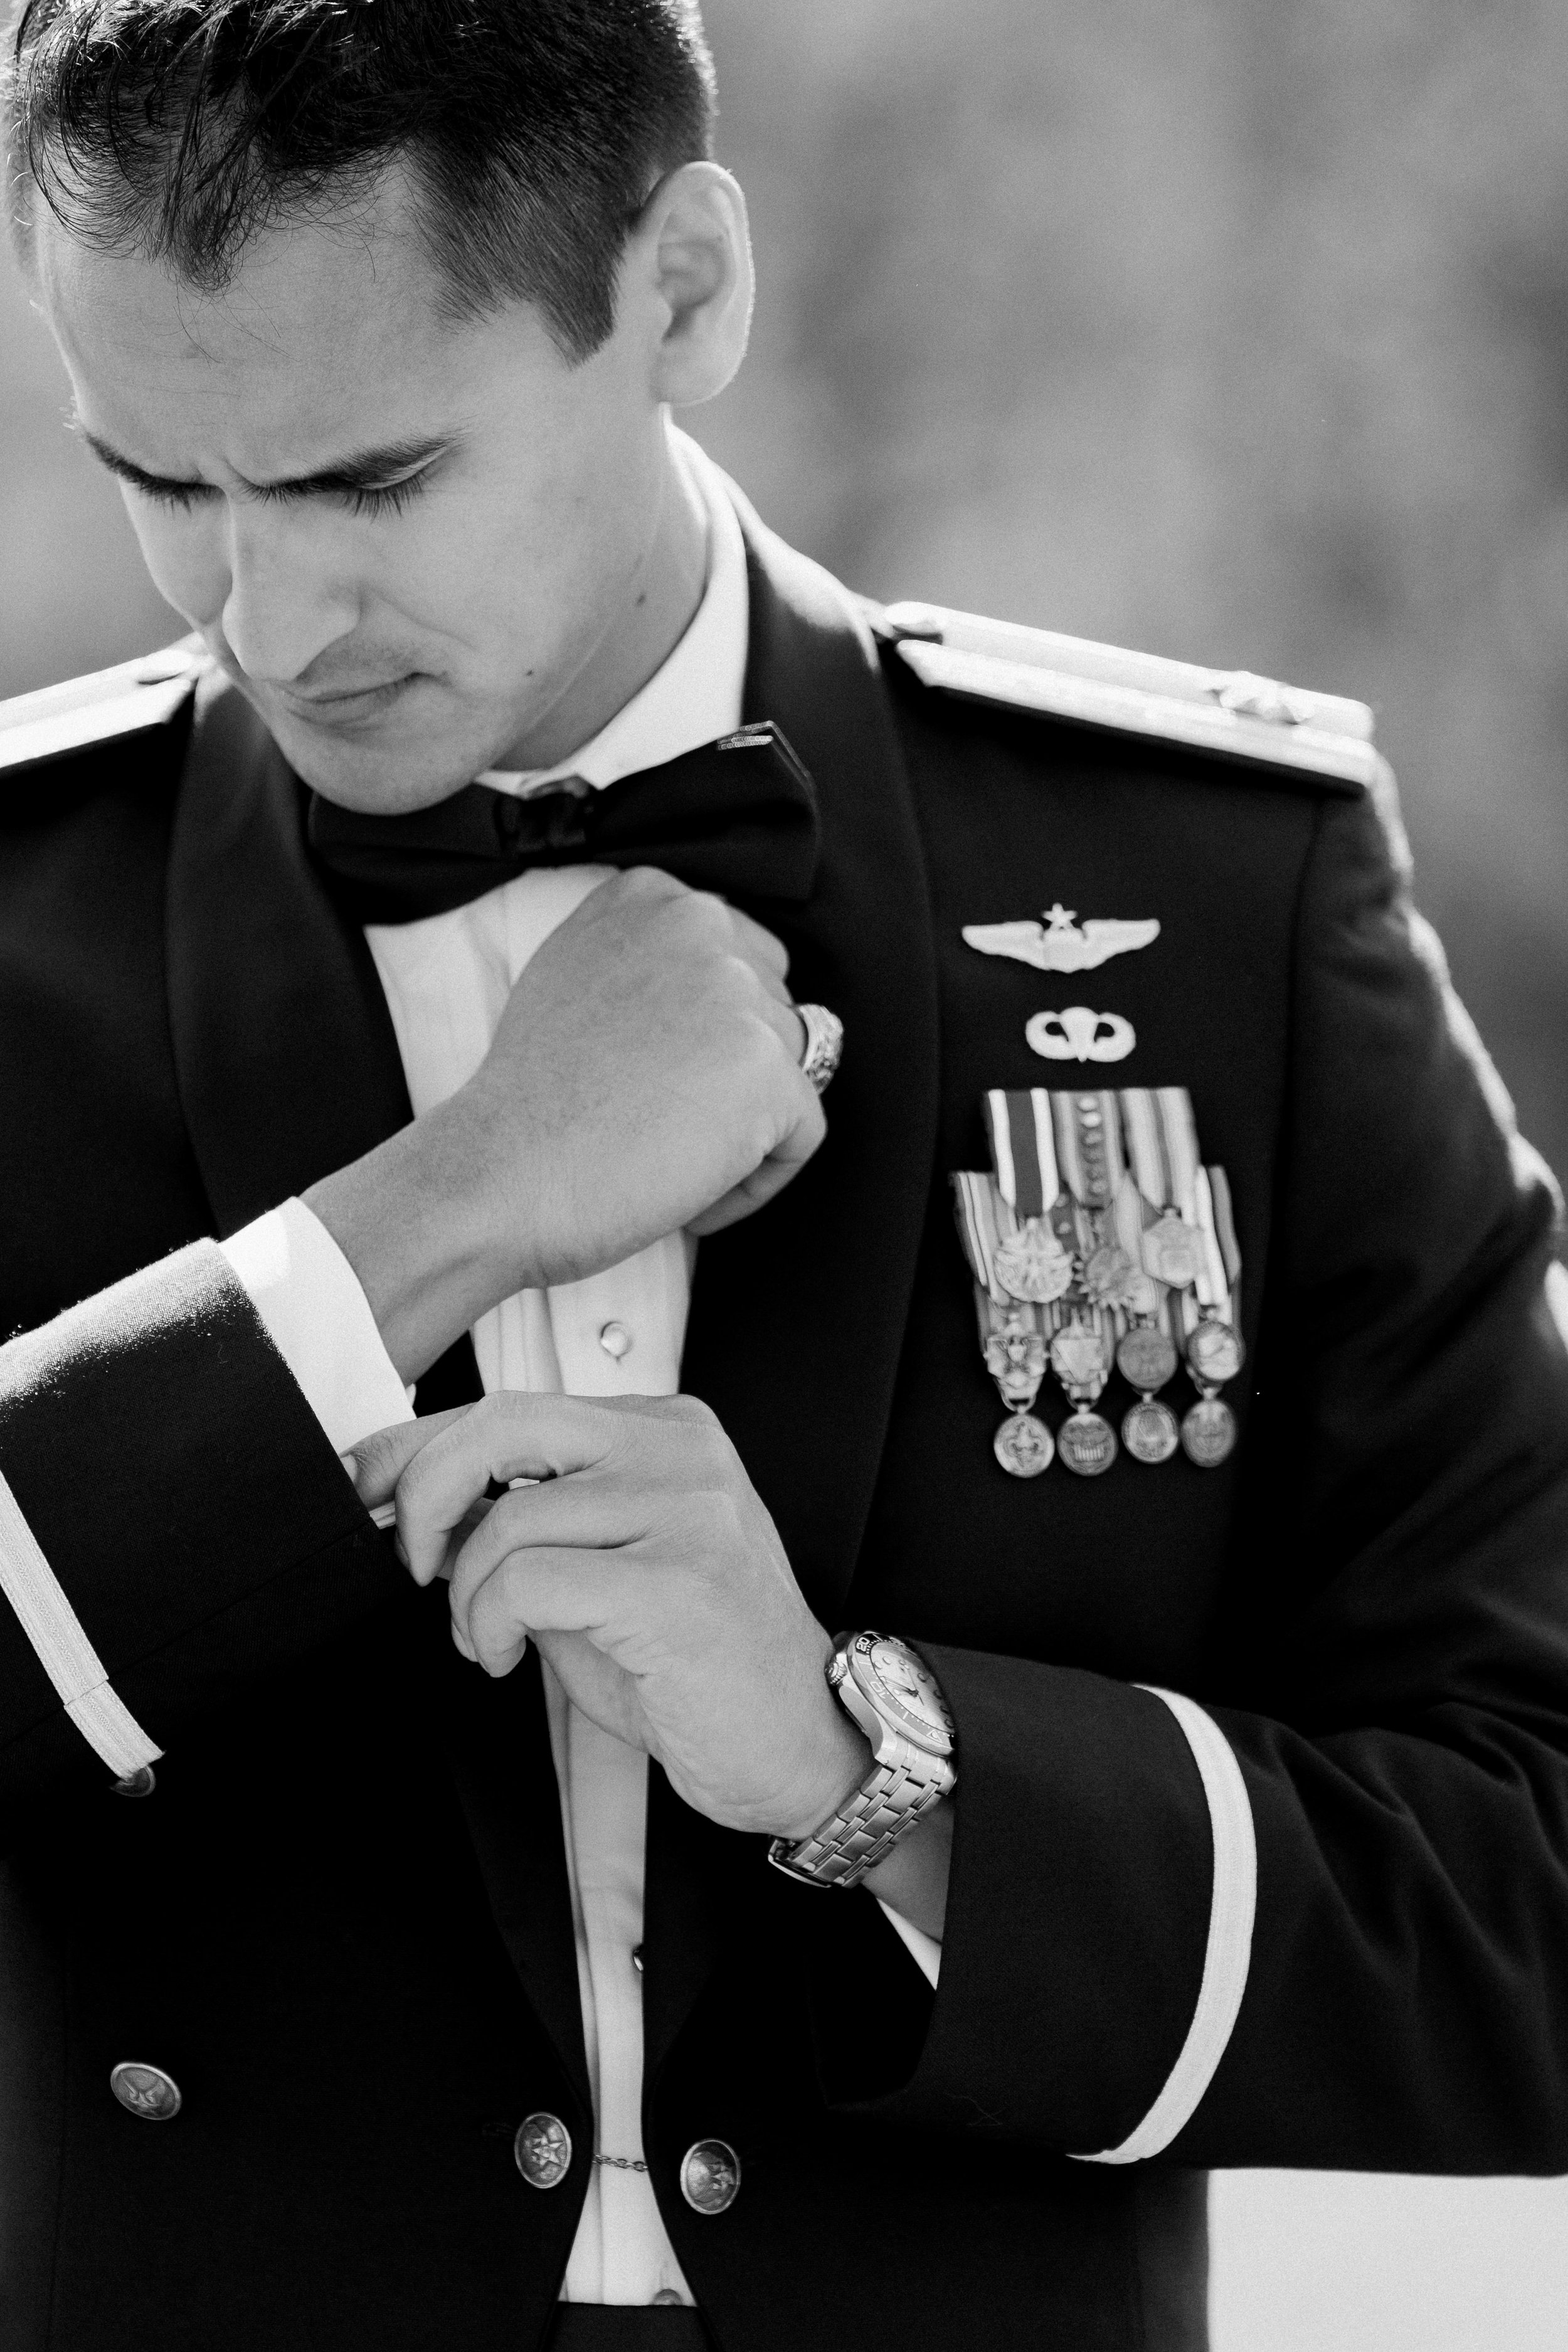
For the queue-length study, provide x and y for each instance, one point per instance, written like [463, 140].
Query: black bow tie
[738, 816]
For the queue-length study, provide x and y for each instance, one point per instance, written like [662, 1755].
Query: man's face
[404, 628]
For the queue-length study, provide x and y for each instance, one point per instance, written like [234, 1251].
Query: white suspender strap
[1232, 1903]
[68, 1657]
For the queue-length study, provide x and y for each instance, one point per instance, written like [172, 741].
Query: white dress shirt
[447, 981]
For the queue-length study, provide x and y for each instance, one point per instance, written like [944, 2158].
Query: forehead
[329, 325]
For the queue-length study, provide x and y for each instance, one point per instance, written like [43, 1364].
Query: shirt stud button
[710, 2175]
[543, 2150]
[637, 1958]
[669, 2295]
[145, 2091]
[615, 1339]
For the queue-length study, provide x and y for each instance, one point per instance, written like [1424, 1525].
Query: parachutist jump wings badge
[1060, 943]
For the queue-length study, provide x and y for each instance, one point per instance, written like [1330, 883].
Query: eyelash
[391, 500]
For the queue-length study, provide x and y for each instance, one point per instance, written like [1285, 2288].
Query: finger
[545, 1592]
[594, 1511]
[509, 1435]
[764, 953]
[378, 1462]
[783, 1019]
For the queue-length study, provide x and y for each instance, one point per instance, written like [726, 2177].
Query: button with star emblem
[542, 2149]
[710, 2175]
[145, 2091]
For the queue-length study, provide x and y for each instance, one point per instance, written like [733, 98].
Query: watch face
[895, 1678]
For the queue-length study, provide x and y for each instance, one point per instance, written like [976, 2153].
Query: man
[391, 1955]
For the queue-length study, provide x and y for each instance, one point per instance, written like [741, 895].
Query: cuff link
[824, 1043]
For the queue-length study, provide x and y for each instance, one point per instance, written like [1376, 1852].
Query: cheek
[186, 554]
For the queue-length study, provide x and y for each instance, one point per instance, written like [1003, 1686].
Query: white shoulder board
[128, 699]
[1228, 711]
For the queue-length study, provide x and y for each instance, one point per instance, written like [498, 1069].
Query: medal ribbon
[1023, 1149]
[1163, 1144]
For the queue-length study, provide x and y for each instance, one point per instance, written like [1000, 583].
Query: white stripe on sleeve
[68, 1657]
[1232, 1903]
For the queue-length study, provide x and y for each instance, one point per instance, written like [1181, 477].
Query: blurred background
[1229, 332]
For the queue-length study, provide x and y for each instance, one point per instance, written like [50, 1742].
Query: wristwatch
[893, 1697]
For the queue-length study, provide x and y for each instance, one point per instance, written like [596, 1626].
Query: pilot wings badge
[1061, 943]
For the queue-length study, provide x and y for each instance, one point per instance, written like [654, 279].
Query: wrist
[834, 1759]
[411, 1222]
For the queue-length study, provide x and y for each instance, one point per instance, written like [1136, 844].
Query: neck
[639, 636]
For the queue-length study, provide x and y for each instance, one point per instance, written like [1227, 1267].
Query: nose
[287, 600]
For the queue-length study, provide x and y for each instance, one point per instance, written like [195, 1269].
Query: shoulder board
[109, 704]
[1227, 711]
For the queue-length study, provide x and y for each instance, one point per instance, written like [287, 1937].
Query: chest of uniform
[1103, 932]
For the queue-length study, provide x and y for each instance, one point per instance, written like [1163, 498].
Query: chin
[387, 777]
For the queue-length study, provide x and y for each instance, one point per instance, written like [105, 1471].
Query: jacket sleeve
[173, 1519]
[1316, 1912]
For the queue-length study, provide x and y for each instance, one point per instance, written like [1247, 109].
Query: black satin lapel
[498, 1735]
[287, 1059]
[798, 1314]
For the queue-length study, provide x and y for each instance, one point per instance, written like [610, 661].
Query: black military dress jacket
[342, 1922]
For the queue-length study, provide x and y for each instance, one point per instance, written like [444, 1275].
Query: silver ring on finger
[824, 1043]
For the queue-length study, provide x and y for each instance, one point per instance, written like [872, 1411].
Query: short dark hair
[534, 131]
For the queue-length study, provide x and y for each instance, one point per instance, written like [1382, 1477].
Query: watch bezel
[930, 1738]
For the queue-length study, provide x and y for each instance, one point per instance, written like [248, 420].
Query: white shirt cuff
[923, 1950]
[319, 1319]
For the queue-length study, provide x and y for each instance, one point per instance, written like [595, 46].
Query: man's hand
[645, 1079]
[651, 1576]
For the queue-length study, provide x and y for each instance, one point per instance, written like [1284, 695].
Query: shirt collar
[696, 693]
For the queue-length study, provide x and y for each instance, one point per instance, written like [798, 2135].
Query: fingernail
[351, 1464]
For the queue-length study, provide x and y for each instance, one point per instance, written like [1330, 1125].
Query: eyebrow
[362, 469]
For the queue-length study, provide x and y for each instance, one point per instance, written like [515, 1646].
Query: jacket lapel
[289, 1068]
[287, 1060]
[798, 1314]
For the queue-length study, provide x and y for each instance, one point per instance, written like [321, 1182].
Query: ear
[691, 250]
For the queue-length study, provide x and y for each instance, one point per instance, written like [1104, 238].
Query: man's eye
[181, 496]
[387, 501]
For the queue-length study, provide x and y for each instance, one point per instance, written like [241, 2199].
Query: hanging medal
[1214, 1352]
[1146, 1354]
[1163, 1145]
[1032, 1264]
[1087, 1128]
[1012, 1331]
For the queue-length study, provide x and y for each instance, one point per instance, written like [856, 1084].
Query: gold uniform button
[543, 2148]
[710, 2175]
[145, 2091]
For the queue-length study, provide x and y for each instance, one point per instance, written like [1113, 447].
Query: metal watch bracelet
[862, 1834]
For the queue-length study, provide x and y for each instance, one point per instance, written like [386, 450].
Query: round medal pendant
[1023, 1447]
[1215, 1353]
[1149, 1431]
[1146, 1359]
[1087, 1444]
[1173, 1250]
[1079, 1356]
[1032, 1265]
[1208, 1432]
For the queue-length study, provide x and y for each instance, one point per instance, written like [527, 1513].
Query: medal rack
[1099, 1241]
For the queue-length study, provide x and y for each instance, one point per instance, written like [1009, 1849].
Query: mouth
[349, 707]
